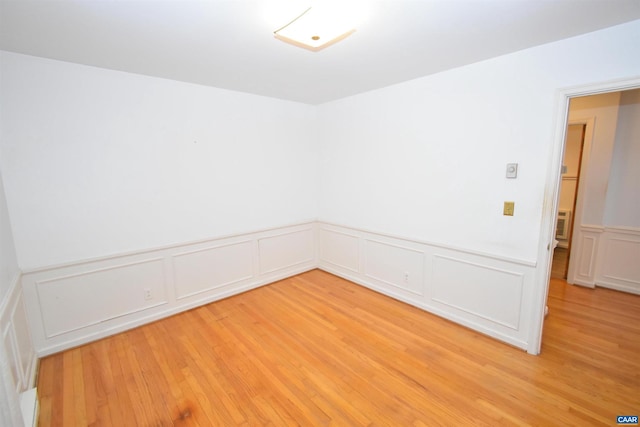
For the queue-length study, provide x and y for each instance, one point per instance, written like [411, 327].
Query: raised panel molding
[618, 267]
[339, 249]
[16, 339]
[210, 268]
[72, 302]
[394, 265]
[9, 340]
[585, 250]
[607, 257]
[286, 250]
[488, 292]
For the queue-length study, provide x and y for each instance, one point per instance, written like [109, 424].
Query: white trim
[30, 407]
[22, 361]
[622, 230]
[179, 255]
[322, 255]
[475, 313]
[288, 266]
[15, 282]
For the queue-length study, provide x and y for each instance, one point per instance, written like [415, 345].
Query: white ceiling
[229, 43]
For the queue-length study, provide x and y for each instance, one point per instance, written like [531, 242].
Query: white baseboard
[631, 289]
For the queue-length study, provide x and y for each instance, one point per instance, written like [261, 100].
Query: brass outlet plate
[508, 208]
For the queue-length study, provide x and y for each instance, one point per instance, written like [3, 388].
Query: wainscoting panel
[394, 265]
[587, 256]
[210, 268]
[16, 337]
[76, 303]
[586, 241]
[485, 292]
[619, 265]
[488, 292]
[286, 250]
[607, 257]
[9, 342]
[339, 249]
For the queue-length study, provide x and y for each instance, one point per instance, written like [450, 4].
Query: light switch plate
[512, 170]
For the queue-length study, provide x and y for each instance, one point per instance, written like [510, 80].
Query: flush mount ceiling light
[316, 28]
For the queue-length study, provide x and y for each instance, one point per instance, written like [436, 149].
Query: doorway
[552, 192]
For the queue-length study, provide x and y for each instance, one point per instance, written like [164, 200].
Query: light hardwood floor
[559, 264]
[316, 350]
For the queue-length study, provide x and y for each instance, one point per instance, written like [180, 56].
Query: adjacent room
[425, 213]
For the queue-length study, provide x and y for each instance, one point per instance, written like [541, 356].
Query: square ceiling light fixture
[316, 28]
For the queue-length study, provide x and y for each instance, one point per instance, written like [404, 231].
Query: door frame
[552, 195]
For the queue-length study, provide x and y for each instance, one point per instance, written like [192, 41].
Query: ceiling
[230, 44]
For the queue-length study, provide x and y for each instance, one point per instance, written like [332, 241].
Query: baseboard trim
[618, 287]
[583, 283]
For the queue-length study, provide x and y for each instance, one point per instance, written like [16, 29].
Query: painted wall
[623, 194]
[603, 109]
[426, 159]
[99, 162]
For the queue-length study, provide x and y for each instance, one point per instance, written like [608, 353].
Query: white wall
[599, 143]
[623, 194]
[100, 162]
[426, 159]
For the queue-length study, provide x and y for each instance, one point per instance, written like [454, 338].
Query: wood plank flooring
[316, 350]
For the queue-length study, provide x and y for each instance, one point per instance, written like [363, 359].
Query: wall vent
[563, 224]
